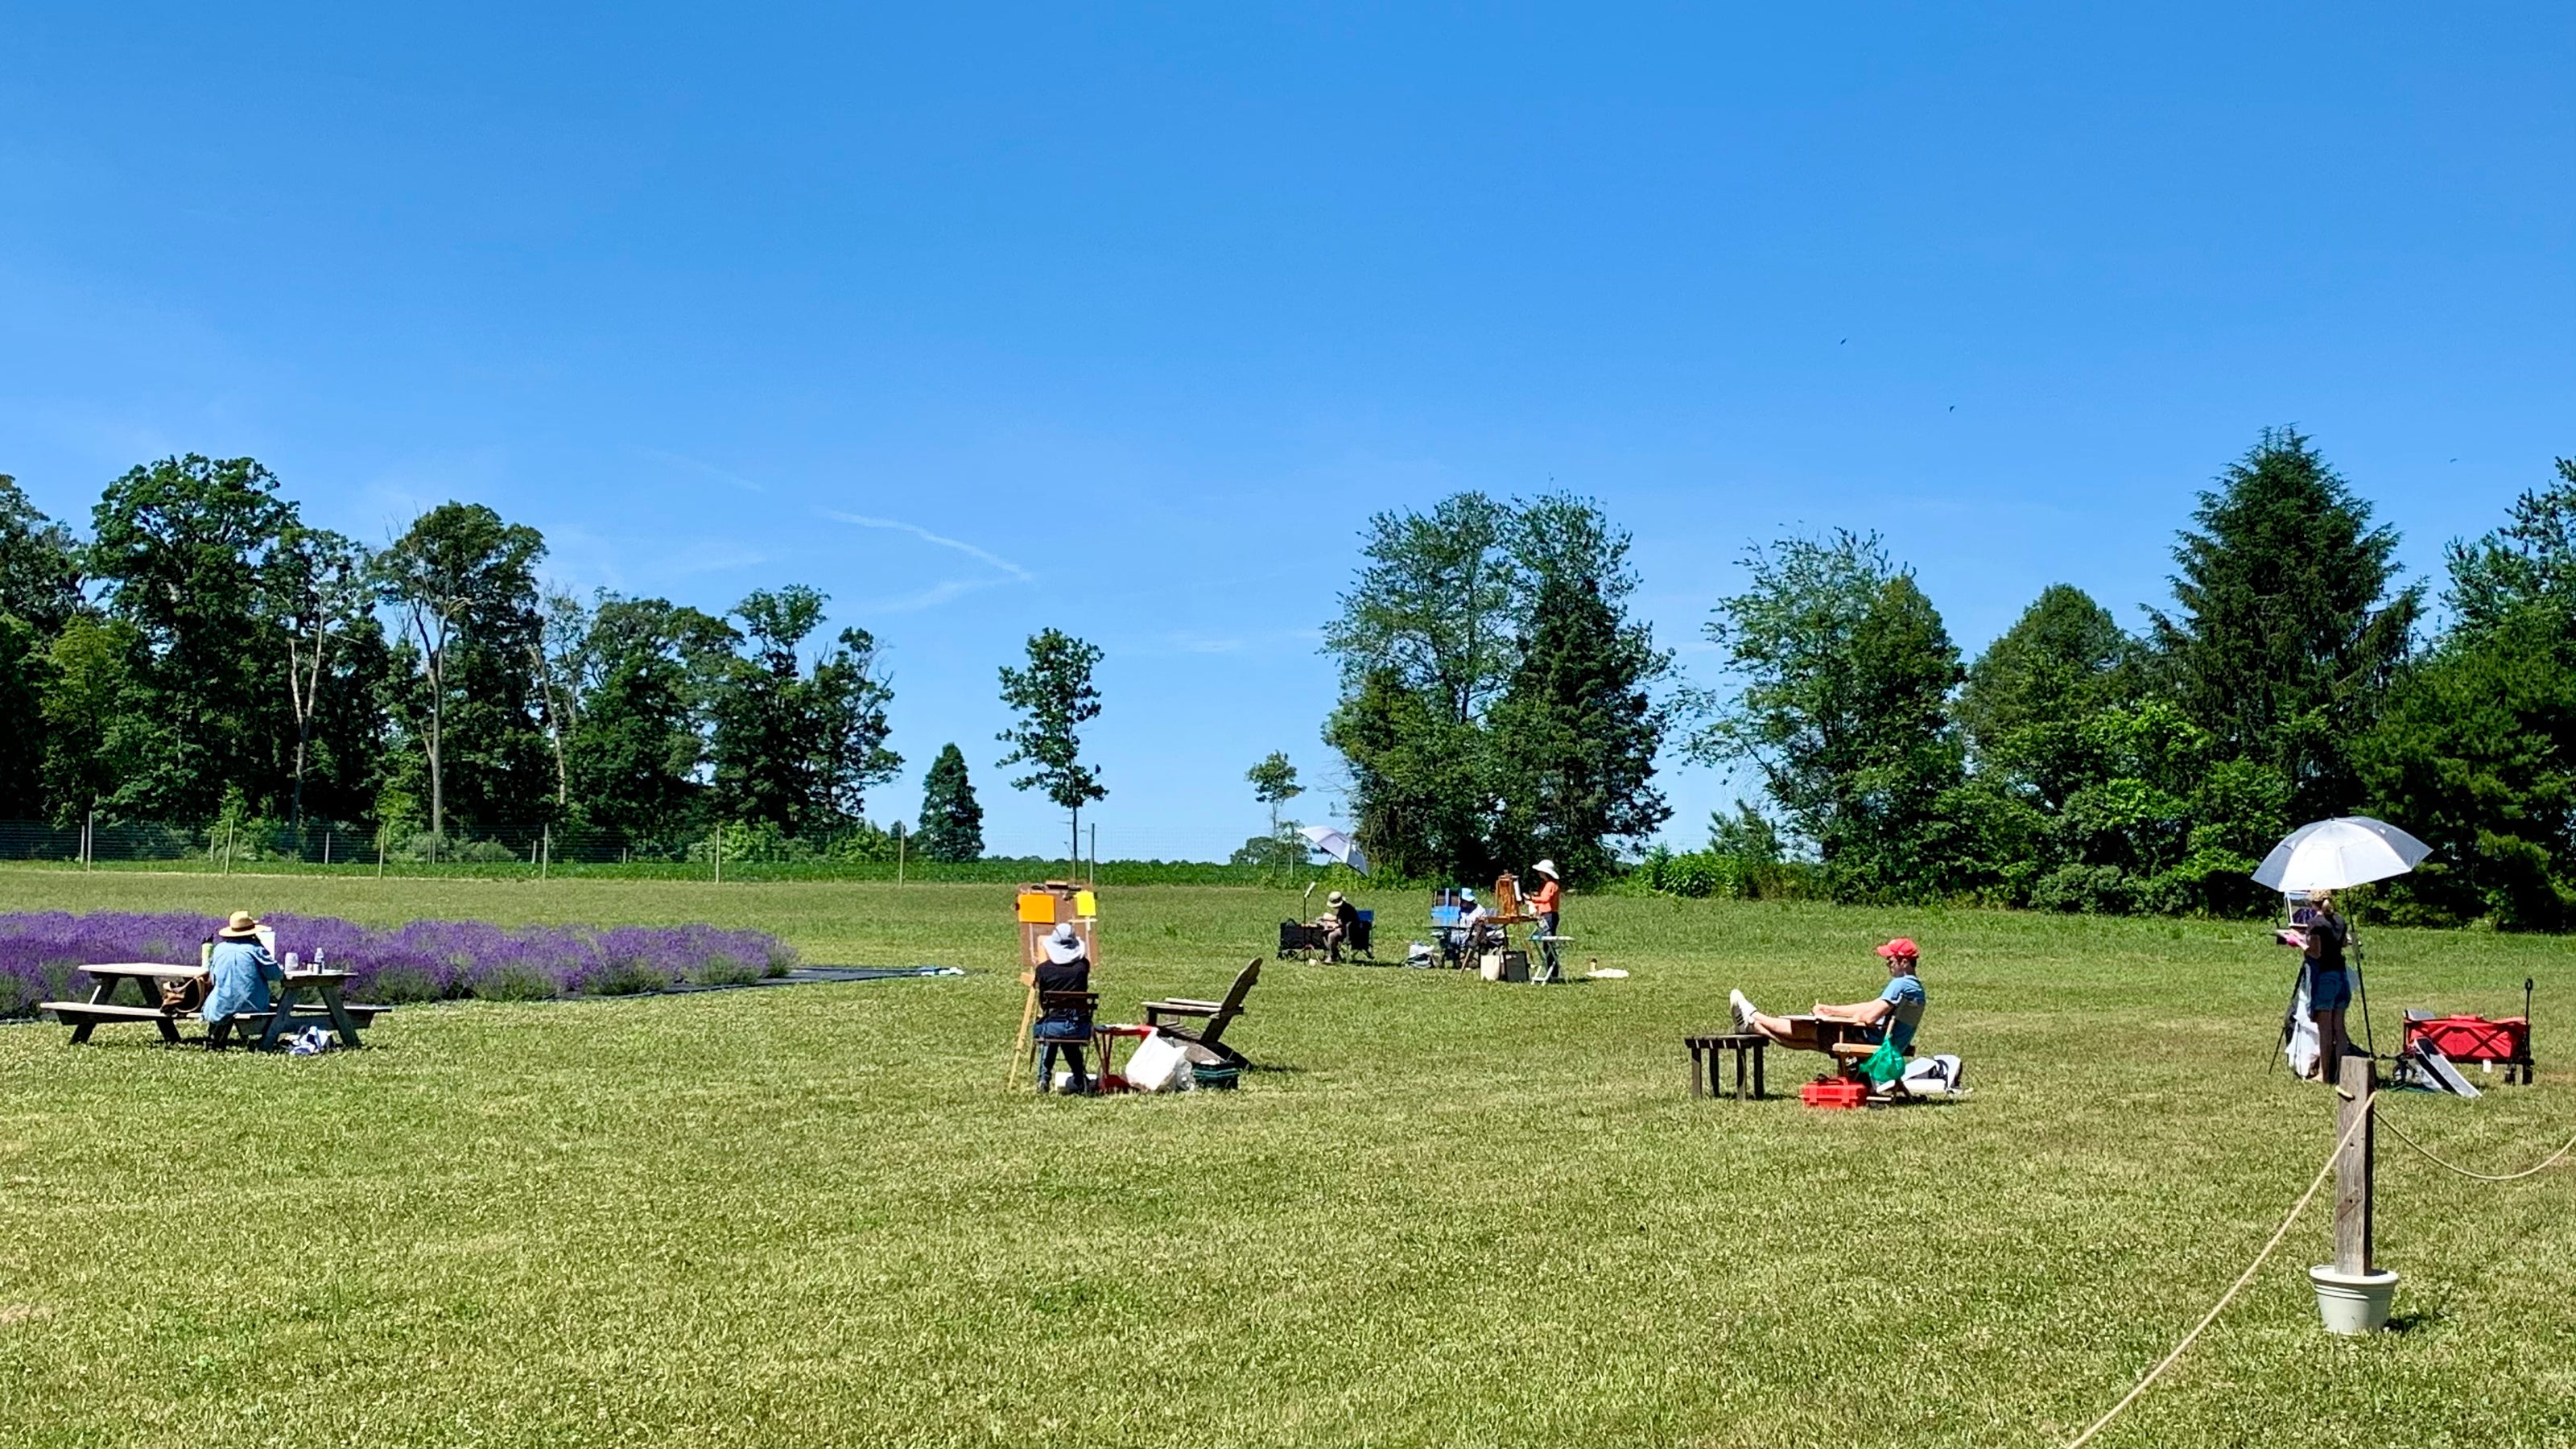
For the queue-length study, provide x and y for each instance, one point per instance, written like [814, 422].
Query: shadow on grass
[2418, 1318]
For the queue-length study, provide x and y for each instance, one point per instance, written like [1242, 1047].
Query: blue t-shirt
[1905, 993]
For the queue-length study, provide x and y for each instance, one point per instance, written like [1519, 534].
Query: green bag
[1883, 1065]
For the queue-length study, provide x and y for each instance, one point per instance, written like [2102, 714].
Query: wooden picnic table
[101, 1008]
[311, 996]
[292, 1005]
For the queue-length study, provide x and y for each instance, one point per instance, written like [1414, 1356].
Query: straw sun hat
[242, 927]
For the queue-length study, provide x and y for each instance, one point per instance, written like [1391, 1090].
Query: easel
[1041, 909]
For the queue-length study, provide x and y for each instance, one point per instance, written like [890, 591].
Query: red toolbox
[1833, 1093]
[2474, 1038]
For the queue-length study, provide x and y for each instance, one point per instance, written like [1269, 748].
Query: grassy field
[1444, 1213]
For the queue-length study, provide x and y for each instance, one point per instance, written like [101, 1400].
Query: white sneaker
[1744, 1012]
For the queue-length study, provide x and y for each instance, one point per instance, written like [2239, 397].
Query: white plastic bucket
[2353, 1303]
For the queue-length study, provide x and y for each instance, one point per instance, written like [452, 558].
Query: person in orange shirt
[1543, 904]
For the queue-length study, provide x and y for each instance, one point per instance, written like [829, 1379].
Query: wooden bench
[1705, 1062]
[84, 1017]
[252, 1026]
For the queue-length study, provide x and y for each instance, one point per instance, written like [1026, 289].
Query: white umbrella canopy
[2344, 851]
[1337, 845]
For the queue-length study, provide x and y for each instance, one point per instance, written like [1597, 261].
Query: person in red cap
[1892, 1015]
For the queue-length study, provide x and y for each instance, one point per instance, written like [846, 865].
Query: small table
[1705, 1062]
[1105, 1036]
[292, 1005]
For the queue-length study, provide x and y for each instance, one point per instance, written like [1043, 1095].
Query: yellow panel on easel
[1086, 905]
[1037, 908]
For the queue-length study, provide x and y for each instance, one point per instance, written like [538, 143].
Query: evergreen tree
[1578, 732]
[2287, 634]
[2528, 563]
[2476, 752]
[1053, 697]
[952, 822]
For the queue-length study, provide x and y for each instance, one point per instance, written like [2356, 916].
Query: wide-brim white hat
[1064, 947]
[1546, 868]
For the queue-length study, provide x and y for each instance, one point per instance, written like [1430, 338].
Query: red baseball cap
[1901, 946]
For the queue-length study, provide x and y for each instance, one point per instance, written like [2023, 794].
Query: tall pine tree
[1577, 732]
[2287, 633]
[952, 822]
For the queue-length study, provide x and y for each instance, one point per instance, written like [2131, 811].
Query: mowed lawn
[1444, 1212]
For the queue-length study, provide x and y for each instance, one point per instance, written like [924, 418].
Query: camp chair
[1361, 930]
[1083, 1004]
[1213, 1016]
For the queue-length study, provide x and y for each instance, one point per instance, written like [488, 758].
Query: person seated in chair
[1062, 1029]
[1341, 921]
[240, 970]
[1475, 925]
[1891, 1016]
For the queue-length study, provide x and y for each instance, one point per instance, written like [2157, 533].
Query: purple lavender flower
[41, 953]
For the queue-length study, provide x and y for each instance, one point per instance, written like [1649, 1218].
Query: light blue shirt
[242, 971]
[1905, 993]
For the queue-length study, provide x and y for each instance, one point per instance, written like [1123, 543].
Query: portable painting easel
[1042, 908]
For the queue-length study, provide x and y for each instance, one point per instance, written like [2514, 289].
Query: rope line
[2206, 1319]
[2545, 1163]
[2283, 1231]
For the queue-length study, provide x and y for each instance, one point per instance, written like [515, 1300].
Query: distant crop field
[1440, 1213]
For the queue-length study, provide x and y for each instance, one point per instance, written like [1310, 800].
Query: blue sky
[984, 319]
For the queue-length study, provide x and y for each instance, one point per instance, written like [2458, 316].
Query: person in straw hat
[1340, 920]
[240, 970]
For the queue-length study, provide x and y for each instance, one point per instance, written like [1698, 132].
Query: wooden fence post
[2353, 1166]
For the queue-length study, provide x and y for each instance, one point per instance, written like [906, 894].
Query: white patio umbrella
[1337, 845]
[2344, 851]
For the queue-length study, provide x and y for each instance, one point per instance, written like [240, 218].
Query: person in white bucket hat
[1065, 1028]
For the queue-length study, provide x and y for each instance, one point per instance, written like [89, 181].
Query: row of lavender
[41, 953]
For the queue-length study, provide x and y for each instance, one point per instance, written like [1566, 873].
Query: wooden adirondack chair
[1212, 1017]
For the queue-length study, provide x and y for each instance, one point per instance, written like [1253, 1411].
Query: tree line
[206, 654]
[1500, 703]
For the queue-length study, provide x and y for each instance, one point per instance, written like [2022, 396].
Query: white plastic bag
[1161, 1064]
[1934, 1076]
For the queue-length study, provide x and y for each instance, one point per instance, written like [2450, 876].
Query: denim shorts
[2329, 990]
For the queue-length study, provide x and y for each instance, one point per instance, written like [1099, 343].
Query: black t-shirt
[1347, 914]
[1074, 975]
[2325, 941]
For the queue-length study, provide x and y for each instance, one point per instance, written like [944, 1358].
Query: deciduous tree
[1053, 697]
